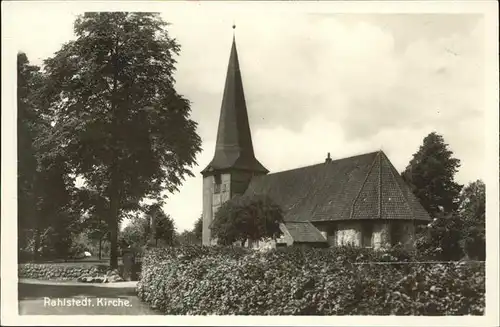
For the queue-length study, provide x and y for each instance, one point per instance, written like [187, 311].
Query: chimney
[328, 159]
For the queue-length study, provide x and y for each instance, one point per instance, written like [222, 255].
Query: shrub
[441, 239]
[199, 280]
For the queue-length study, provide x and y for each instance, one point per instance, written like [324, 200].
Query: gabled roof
[366, 186]
[234, 149]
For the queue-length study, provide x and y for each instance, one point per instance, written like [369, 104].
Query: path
[37, 297]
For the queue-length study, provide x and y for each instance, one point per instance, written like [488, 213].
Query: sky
[317, 83]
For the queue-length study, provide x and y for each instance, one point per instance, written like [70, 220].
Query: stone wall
[59, 271]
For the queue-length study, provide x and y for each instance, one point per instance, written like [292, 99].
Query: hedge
[234, 281]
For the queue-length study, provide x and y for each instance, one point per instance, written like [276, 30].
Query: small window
[217, 183]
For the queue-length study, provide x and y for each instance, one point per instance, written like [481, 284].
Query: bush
[199, 280]
[441, 238]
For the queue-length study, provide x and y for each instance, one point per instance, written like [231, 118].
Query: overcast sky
[318, 83]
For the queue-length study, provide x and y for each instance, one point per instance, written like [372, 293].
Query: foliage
[27, 124]
[431, 172]
[164, 224]
[247, 218]
[192, 236]
[198, 228]
[441, 238]
[46, 191]
[473, 212]
[118, 119]
[136, 233]
[293, 281]
[451, 236]
[187, 237]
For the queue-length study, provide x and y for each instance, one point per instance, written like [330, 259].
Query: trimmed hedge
[47, 271]
[292, 281]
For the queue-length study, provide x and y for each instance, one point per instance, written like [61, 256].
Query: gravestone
[128, 259]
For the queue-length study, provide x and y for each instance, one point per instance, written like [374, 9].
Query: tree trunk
[153, 229]
[36, 245]
[113, 229]
[156, 242]
[100, 248]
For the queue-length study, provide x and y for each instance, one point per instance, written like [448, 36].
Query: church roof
[234, 149]
[304, 232]
[366, 186]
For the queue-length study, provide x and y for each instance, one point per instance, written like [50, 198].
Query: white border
[9, 304]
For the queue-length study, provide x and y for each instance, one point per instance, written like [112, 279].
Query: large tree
[163, 228]
[473, 212]
[430, 174]
[27, 131]
[247, 218]
[94, 207]
[45, 201]
[117, 116]
[136, 233]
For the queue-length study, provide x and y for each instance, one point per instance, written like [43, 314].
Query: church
[361, 200]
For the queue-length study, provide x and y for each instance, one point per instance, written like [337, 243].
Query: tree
[27, 121]
[94, 207]
[46, 191]
[247, 218]
[136, 233]
[198, 228]
[473, 212]
[192, 236]
[117, 117]
[97, 230]
[431, 173]
[441, 239]
[164, 225]
[187, 237]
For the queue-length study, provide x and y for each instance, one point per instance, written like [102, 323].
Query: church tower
[234, 163]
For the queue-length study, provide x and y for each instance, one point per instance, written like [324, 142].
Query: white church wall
[381, 235]
[207, 208]
[348, 233]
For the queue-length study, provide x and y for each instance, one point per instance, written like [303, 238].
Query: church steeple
[234, 149]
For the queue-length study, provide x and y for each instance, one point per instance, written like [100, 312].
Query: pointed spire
[234, 147]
